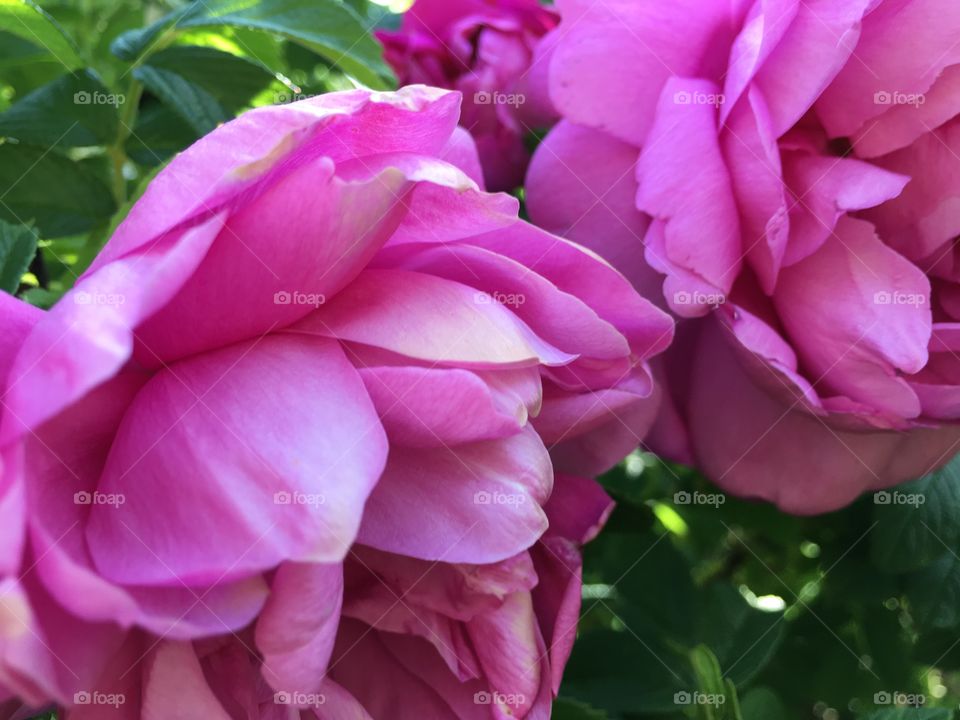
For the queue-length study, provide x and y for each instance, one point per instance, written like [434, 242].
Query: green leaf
[911, 532]
[73, 111]
[28, 21]
[57, 194]
[567, 709]
[159, 134]
[761, 704]
[191, 102]
[934, 593]
[329, 28]
[233, 81]
[743, 638]
[623, 671]
[18, 245]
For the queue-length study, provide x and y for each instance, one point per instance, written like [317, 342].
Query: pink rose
[791, 169]
[494, 53]
[302, 402]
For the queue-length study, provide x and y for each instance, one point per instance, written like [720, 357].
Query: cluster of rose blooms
[316, 434]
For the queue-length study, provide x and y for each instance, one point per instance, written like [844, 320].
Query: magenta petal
[817, 45]
[562, 319]
[428, 407]
[431, 319]
[309, 212]
[617, 92]
[740, 430]
[858, 312]
[508, 643]
[174, 687]
[87, 336]
[298, 626]
[226, 444]
[581, 185]
[752, 154]
[577, 272]
[684, 135]
[483, 500]
[266, 141]
[826, 188]
[887, 60]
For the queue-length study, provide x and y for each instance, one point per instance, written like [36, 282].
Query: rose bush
[293, 428]
[791, 169]
[495, 54]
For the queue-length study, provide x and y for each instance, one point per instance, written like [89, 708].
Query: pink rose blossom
[784, 174]
[494, 52]
[293, 429]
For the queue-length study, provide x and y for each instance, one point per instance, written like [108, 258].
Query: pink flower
[788, 172]
[492, 51]
[300, 406]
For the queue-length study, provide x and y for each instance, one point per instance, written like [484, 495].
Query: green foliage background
[689, 596]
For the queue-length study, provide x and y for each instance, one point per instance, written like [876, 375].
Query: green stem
[118, 156]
